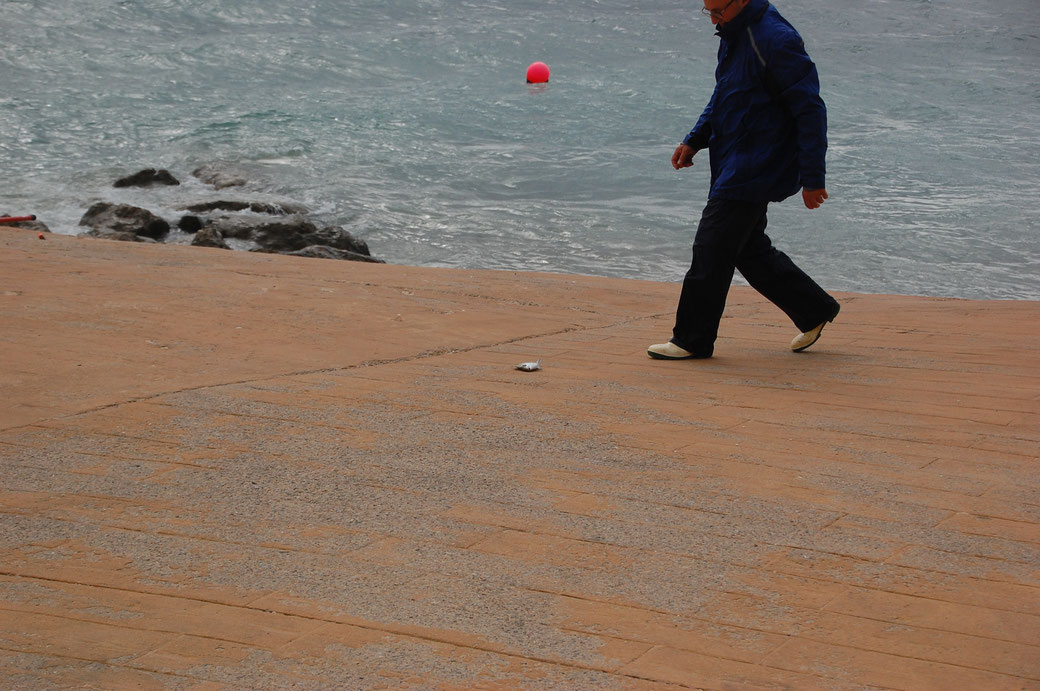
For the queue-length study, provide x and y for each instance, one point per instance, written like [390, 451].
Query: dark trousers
[732, 235]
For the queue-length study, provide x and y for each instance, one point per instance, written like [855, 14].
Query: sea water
[409, 123]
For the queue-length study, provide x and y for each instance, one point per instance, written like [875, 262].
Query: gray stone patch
[25, 592]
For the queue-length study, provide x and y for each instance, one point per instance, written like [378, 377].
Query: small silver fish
[530, 366]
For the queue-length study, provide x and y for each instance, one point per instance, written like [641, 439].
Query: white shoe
[804, 340]
[668, 351]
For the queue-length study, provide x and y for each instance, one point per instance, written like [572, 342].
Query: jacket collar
[751, 13]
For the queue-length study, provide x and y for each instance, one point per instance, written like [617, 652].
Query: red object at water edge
[16, 219]
[537, 73]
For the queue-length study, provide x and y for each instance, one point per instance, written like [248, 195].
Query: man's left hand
[813, 198]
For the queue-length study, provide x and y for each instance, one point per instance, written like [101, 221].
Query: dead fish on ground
[530, 366]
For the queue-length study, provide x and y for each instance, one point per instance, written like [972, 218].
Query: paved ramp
[230, 469]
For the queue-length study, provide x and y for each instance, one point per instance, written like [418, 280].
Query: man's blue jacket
[765, 127]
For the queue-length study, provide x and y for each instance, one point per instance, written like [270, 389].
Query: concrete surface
[233, 470]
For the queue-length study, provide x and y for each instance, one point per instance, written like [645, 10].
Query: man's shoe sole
[659, 356]
[687, 355]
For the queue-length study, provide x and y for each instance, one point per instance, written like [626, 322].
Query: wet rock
[291, 234]
[105, 217]
[291, 237]
[219, 176]
[147, 178]
[262, 225]
[238, 227]
[121, 235]
[286, 234]
[190, 224]
[209, 237]
[326, 252]
[270, 208]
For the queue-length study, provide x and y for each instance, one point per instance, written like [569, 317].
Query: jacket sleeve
[701, 133]
[800, 89]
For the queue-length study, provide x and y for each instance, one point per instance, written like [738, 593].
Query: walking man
[765, 129]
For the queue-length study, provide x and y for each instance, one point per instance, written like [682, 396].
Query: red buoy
[537, 73]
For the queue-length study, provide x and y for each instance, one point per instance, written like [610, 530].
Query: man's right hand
[683, 156]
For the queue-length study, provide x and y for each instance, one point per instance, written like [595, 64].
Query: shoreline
[183, 239]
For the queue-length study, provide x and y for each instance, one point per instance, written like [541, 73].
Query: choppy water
[409, 122]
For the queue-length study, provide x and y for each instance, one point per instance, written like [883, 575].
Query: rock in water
[219, 177]
[105, 218]
[326, 252]
[270, 208]
[190, 224]
[209, 237]
[147, 178]
[289, 237]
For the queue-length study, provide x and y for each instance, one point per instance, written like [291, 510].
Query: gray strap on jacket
[754, 46]
[767, 76]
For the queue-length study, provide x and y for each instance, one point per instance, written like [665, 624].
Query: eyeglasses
[717, 14]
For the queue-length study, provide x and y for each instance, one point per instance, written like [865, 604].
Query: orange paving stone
[226, 470]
